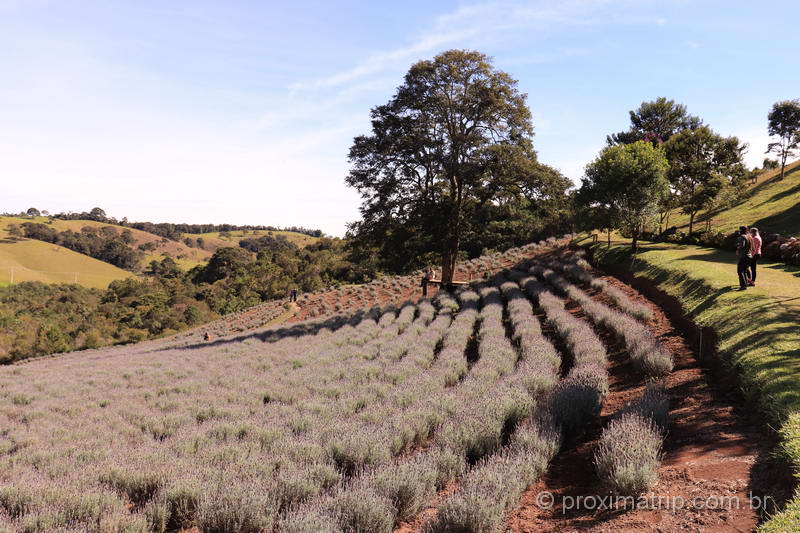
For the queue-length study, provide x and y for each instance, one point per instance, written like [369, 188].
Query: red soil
[709, 456]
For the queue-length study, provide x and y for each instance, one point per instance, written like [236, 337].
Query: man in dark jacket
[744, 251]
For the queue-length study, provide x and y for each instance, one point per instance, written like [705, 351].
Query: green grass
[757, 329]
[771, 205]
[33, 260]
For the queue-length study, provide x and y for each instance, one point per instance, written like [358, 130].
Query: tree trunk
[449, 257]
[609, 237]
[691, 223]
[451, 244]
[783, 164]
[635, 239]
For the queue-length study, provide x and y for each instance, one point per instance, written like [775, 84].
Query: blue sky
[243, 112]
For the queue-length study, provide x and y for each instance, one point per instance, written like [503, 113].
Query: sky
[243, 112]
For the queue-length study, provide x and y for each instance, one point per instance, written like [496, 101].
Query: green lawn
[771, 205]
[758, 329]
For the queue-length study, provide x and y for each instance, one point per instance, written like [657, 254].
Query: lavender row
[644, 350]
[629, 454]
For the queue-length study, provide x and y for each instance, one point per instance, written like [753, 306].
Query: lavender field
[353, 422]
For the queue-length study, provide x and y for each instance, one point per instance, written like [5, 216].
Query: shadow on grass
[786, 222]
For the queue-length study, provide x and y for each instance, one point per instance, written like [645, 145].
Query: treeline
[38, 319]
[162, 229]
[105, 243]
[669, 160]
[166, 229]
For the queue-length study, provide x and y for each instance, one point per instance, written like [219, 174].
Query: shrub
[139, 486]
[653, 404]
[410, 485]
[629, 454]
[309, 520]
[360, 510]
[577, 399]
[234, 510]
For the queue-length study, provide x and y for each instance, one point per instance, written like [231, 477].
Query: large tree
[784, 123]
[702, 164]
[627, 183]
[453, 140]
[656, 122]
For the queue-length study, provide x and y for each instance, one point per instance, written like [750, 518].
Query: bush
[410, 485]
[577, 399]
[363, 511]
[232, 510]
[629, 454]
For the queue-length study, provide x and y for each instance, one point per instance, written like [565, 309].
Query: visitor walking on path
[293, 295]
[744, 251]
[756, 251]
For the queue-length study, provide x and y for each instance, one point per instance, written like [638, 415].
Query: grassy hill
[772, 205]
[32, 260]
[214, 240]
[186, 257]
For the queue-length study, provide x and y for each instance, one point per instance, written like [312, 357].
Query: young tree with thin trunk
[628, 182]
[702, 163]
[784, 123]
[456, 135]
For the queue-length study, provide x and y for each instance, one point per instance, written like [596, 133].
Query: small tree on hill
[702, 164]
[97, 214]
[32, 212]
[627, 182]
[784, 122]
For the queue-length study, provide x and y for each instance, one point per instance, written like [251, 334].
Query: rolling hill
[32, 260]
[771, 204]
[217, 239]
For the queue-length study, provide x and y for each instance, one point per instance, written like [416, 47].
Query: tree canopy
[702, 164]
[656, 122]
[626, 183]
[452, 144]
[784, 123]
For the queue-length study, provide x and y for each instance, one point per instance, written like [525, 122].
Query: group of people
[748, 250]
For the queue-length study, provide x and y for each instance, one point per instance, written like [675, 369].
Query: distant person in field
[425, 279]
[293, 295]
[756, 240]
[744, 251]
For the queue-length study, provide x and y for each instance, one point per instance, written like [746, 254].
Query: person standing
[744, 251]
[756, 239]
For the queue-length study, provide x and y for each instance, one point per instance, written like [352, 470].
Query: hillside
[185, 256]
[772, 205]
[32, 260]
[214, 240]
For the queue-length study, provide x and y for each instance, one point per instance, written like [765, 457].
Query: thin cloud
[460, 26]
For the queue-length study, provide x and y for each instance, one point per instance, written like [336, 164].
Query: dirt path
[709, 454]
